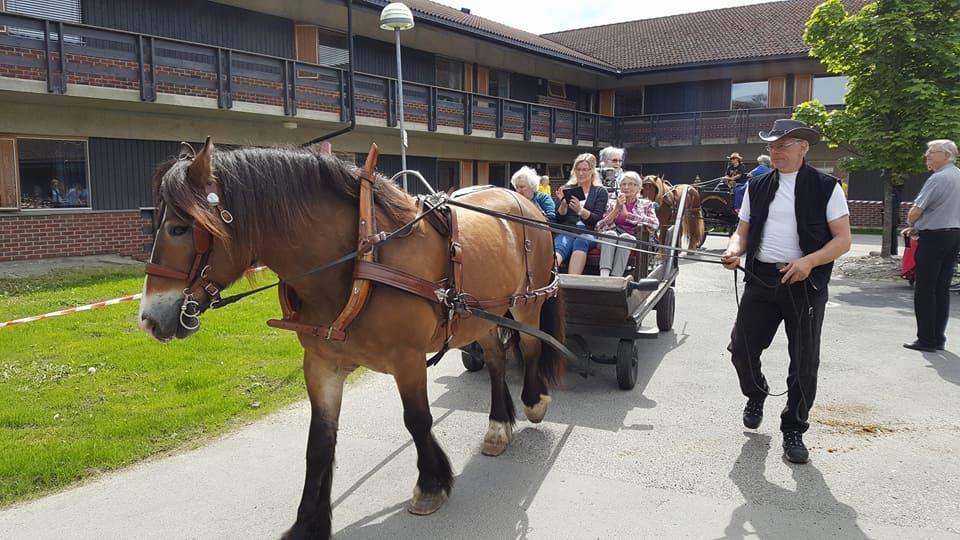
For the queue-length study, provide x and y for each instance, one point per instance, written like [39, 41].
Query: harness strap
[360, 290]
[158, 270]
[399, 279]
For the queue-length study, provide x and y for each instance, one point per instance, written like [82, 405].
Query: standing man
[794, 223]
[936, 216]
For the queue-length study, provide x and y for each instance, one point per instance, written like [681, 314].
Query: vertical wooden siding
[203, 22]
[121, 170]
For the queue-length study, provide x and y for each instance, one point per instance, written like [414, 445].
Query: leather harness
[448, 293]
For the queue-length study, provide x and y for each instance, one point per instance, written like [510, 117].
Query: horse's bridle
[196, 278]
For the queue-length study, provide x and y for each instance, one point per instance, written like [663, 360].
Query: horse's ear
[200, 172]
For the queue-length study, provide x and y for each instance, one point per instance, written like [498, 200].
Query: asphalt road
[668, 459]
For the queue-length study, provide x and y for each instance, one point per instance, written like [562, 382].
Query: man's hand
[730, 259]
[796, 271]
[908, 232]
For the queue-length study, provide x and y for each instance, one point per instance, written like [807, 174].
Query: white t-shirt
[780, 241]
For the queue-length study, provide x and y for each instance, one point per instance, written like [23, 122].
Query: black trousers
[764, 306]
[936, 258]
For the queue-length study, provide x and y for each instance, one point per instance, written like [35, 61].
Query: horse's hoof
[423, 504]
[536, 413]
[497, 438]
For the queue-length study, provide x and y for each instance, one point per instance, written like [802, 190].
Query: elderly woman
[525, 182]
[624, 214]
[580, 213]
[762, 168]
[545, 185]
[611, 162]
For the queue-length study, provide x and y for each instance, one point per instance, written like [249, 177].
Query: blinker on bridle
[196, 278]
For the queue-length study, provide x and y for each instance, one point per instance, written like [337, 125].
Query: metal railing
[63, 53]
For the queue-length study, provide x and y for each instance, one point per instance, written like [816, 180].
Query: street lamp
[396, 16]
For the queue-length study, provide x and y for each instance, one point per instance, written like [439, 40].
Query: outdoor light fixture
[397, 16]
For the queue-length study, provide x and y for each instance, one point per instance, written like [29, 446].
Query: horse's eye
[177, 230]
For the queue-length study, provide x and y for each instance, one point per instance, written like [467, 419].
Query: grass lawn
[90, 392]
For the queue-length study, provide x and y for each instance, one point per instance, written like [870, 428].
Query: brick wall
[24, 236]
[870, 213]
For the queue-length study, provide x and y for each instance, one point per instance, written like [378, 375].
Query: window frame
[86, 152]
[813, 87]
[449, 62]
[766, 104]
[556, 89]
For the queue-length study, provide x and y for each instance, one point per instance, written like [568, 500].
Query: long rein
[441, 200]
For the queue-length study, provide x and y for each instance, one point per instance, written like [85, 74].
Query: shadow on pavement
[500, 513]
[609, 404]
[947, 365]
[765, 501]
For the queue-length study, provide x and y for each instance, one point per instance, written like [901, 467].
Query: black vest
[812, 192]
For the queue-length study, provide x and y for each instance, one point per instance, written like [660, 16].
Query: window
[556, 89]
[830, 90]
[749, 95]
[53, 173]
[449, 74]
[333, 50]
[448, 174]
[499, 84]
[498, 174]
[57, 10]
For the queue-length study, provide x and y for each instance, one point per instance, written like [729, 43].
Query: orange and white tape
[88, 307]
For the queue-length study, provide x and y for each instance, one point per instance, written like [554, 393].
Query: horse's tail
[553, 320]
[693, 225]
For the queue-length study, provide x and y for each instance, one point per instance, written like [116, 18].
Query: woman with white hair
[525, 182]
[624, 215]
[935, 217]
[762, 168]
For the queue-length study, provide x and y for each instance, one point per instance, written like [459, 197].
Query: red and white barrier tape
[88, 307]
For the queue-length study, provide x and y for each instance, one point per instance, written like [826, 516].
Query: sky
[543, 16]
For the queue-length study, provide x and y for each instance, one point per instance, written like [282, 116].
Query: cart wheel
[666, 308]
[472, 357]
[627, 364]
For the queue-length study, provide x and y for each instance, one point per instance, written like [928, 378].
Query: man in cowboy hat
[736, 172]
[794, 223]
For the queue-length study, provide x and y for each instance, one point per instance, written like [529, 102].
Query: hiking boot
[793, 448]
[753, 412]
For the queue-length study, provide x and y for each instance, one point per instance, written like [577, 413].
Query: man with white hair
[525, 182]
[935, 216]
[611, 158]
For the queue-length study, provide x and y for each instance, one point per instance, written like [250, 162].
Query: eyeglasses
[928, 152]
[781, 146]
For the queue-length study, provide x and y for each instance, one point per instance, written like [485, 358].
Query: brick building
[95, 93]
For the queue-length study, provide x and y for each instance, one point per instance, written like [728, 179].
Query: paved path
[666, 460]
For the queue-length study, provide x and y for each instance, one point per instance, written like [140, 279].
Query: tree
[902, 58]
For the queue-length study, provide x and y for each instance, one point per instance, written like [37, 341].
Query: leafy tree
[902, 58]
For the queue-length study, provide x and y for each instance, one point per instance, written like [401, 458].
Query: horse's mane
[272, 190]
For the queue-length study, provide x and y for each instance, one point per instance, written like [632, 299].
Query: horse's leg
[502, 412]
[325, 388]
[535, 396]
[435, 479]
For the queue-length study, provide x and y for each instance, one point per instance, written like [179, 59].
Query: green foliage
[902, 58]
[90, 392]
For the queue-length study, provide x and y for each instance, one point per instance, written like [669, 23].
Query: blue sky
[543, 16]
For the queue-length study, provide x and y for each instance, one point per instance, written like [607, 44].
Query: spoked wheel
[472, 357]
[666, 308]
[627, 364]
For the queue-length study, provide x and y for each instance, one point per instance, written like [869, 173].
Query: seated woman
[525, 182]
[582, 214]
[624, 214]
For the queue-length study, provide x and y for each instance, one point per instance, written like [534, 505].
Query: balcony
[696, 128]
[152, 69]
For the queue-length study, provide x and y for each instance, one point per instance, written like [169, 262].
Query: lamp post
[396, 16]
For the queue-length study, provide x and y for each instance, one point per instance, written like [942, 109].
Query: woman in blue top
[526, 182]
[583, 214]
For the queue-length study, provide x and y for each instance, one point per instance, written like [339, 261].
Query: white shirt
[780, 241]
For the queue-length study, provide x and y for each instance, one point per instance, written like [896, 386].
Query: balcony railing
[687, 129]
[61, 54]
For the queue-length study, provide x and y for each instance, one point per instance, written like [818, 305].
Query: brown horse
[667, 196]
[294, 210]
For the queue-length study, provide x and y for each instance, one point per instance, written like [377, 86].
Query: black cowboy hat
[791, 128]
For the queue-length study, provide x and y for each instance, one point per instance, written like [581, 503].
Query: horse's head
[192, 259]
